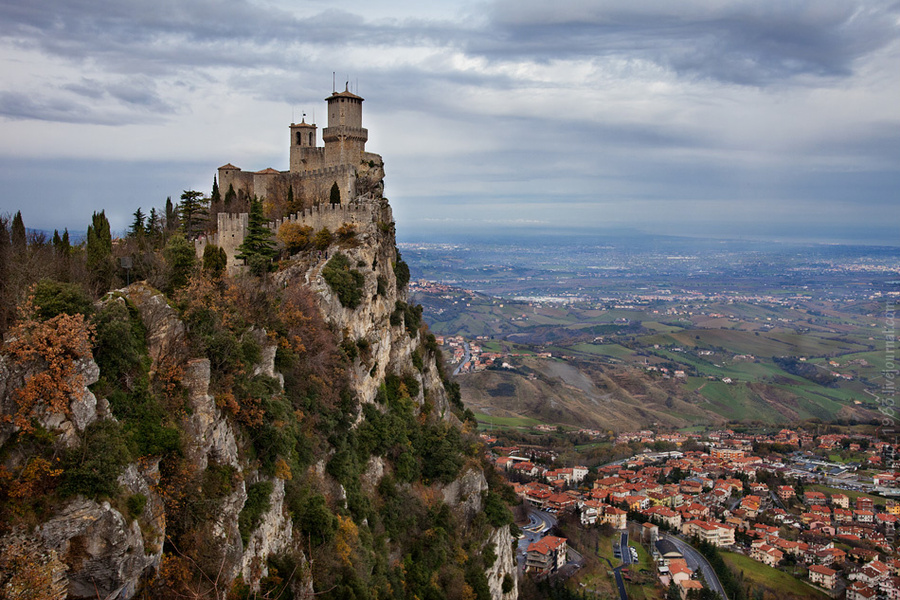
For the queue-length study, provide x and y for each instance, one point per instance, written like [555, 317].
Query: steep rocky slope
[289, 436]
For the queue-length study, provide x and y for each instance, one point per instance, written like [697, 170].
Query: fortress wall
[332, 216]
[232, 228]
[306, 159]
[241, 180]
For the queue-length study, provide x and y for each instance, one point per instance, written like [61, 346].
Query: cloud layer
[748, 107]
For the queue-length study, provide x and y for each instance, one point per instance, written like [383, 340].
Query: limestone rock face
[464, 493]
[504, 545]
[166, 335]
[273, 536]
[104, 552]
[209, 434]
[142, 478]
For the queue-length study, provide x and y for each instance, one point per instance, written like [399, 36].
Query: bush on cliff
[347, 283]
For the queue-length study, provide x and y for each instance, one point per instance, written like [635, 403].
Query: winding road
[696, 560]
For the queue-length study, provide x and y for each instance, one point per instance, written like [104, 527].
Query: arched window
[299, 139]
[311, 142]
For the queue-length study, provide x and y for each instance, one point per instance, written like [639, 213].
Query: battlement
[233, 222]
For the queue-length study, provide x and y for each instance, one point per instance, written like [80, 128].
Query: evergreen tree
[171, 216]
[6, 305]
[62, 251]
[215, 198]
[19, 237]
[137, 226]
[214, 260]
[258, 248]
[153, 225]
[193, 213]
[181, 259]
[335, 193]
[230, 197]
[99, 252]
[291, 209]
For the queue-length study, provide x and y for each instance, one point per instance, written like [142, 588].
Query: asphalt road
[696, 560]
[465, 359]
[623, 548]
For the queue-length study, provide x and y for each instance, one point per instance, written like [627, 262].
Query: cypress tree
[171, 216]
[6, 306]
[291, 209]
[229, 196]
[215, 198]
[19, 237]
[99, 252]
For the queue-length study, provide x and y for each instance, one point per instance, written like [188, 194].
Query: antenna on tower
[332, 82]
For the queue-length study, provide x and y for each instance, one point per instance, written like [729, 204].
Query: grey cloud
[743, 42]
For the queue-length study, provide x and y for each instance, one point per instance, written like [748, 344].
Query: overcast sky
[775, 118]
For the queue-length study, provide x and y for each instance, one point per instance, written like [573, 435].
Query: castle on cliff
[313, 172]
[314, 169]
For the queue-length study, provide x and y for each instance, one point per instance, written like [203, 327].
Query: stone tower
[305, 155]
[345, 138]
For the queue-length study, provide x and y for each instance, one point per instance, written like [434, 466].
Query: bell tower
[345, 138]
[303, 146]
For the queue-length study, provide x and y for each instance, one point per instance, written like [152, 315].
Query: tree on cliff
[171, 216]
[19, 237]
[137, 226]
[258, 248]
[7, 307]
[99, 253]
[192, 211]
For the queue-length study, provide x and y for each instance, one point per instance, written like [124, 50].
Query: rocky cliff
[287, 435]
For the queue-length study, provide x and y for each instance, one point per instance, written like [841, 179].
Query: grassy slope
[759, 575]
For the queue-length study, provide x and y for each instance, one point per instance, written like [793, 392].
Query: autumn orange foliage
[50, 351]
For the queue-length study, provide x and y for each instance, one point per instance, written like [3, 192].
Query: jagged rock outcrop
[113, 548]
[464, 494]
[273, 536]
[209, 434]
[103, 550]
[166, 334]
[505, 567]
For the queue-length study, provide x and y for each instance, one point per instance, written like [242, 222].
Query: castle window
[299, 139]
[311, 138]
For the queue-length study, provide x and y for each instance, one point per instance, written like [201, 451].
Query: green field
[761, 576]
[611, 350]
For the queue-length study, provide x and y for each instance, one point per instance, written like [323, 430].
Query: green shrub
[417, 361]
[347, 283]
[496, 511]
[256, 505]
[401, 272]
[52, 298]
[93, 468]
[214, 260]
[316, 520]
[136, 504]
[120, 348]
[508, 583]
